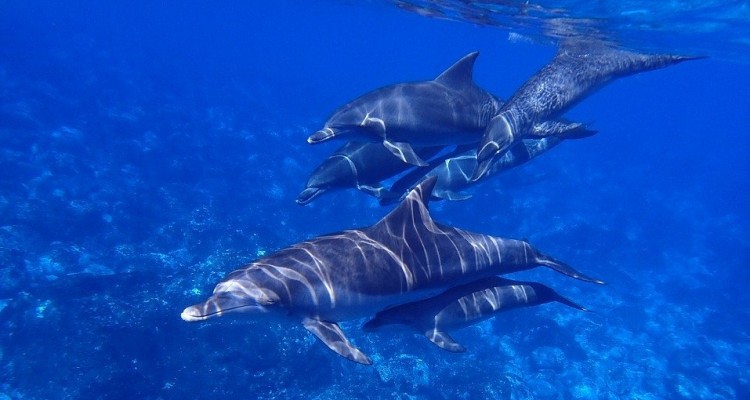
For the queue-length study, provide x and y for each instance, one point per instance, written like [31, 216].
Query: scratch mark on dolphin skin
[325, 277]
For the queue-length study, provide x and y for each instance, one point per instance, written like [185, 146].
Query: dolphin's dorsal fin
[413, 209]
[461, 73]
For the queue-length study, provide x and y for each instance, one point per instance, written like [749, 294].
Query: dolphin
[577, 70]
[360, 165]
[450, 109]
[466, 305]
[405, 257]
[454, 172]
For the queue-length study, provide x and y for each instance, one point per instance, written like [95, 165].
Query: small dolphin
[360, 165]
[466, 305]
[577, 70]
[454, 172]
[403, 258]
[451, 109]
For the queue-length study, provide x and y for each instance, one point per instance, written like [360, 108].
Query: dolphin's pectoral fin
[444, 341]
[379, 192]
[405, 152]
[330, 334]
[375, 190]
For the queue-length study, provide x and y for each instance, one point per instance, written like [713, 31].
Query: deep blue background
[149, 149]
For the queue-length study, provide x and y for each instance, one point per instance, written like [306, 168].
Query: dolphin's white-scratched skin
[454, 172]
[405, 257]
[466, 305]
[451, 109]
[360, 165]
[577, 70]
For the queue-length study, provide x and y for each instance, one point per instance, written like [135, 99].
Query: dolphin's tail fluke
[688, 58]
[547, 294]
[561, 129]
[569, 303]
[657, 61]
[562, 268]
[388, 197]
[374, 324]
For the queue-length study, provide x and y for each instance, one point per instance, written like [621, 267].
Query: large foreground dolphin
[466, 305]
[451, 109]
[454, 172]
[357, 164]
[577, 70]
[405, 257]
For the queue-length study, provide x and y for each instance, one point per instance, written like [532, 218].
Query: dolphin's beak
[321, 136]
[309, 195]
[497, 139]
[195, 313]
[218, 305]
[484, 160]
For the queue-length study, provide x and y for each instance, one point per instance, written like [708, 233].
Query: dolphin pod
[412, 120]
[408, 269]
[466, 305]
[413, 111]
[403, 258]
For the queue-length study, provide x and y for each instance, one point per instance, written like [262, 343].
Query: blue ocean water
[149, 149]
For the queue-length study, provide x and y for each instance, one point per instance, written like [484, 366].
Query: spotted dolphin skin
[466, 305]
[454, 172]
[451, 109]
[403, 258]
[360, 165]
[576, 71]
